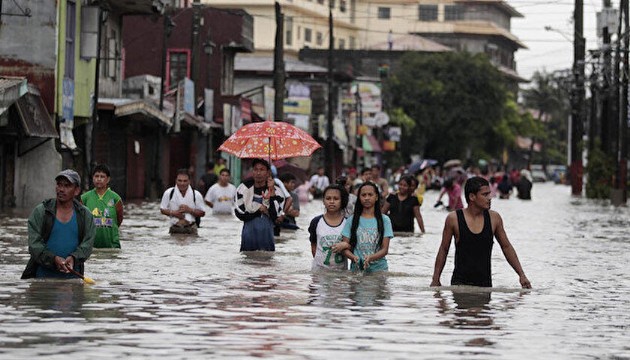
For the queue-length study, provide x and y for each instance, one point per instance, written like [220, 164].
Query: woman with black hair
[403, 207]
[368, 232]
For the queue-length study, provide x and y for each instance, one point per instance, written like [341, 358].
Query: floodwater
[181, 297]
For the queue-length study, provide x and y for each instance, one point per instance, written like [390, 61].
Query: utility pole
[278, 67]
[622, 176]
[607, 88]
[577, 111]
[330, 149]
[194, 48]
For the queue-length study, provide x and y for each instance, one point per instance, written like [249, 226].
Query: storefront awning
[133, 107]
[34, 117]
[370, 144]
[199, 122]
[11, 89]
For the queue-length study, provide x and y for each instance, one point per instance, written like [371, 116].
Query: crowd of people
[362, 214]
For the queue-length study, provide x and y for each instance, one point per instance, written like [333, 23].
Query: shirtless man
[474, 229]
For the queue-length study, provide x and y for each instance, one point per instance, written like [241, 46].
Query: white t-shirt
[319, 182]
[174, 202]
[222, 198]
[325, 236]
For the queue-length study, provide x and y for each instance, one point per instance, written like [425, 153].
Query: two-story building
[200, 46]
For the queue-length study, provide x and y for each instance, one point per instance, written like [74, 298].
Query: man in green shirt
[106, 207]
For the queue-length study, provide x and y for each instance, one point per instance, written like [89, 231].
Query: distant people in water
[183, 205]
[106, 207]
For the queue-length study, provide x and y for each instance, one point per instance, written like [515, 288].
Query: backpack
[197, 218]
[49, 219]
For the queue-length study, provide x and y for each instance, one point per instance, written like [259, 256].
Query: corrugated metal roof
[265, 64]
[411, 42]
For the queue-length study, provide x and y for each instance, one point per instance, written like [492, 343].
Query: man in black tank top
[474, 229]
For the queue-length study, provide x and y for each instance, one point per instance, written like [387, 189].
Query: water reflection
[59, 298]
[342, 289]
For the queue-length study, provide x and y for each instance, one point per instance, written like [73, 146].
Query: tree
[456, 99]
[550, 98]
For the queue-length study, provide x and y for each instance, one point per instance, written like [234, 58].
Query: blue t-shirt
[63, 240]
[367, 240]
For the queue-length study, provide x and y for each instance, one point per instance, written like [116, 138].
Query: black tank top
[472, 253]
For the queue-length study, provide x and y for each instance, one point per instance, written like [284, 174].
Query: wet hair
[345, 198]
[261, 161]
[286, 177]
[225, 170]
[358, 210]
[183, 172]
[101, 168]
[473, 185]
[408, 179]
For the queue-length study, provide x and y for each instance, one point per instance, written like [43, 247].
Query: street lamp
[549, 28]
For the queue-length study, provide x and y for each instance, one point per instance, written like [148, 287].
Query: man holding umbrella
[258, 205]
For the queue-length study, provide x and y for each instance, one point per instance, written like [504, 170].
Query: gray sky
[550, 50]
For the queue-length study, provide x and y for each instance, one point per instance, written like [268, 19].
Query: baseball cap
[71, 175]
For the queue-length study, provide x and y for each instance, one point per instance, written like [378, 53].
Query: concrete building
[476, 26]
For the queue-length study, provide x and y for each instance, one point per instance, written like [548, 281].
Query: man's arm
[198, 210]
[36, 244]
[119, 212]
[508, 249]
[418, 216]
[440, 259]
[385, 207]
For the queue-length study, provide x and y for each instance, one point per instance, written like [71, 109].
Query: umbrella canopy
[420, 165]
[452, 162]
[270, 140]
[284, 166]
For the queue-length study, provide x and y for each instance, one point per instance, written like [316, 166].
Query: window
[453, 13]
[427, 12]
[320, 38]
[343, 6]
[178, 64]
[352, 42]
[308, 35]
[71, 13]
[384, 13]
[288, 31]
[110, 48]
[227, 75]
[342, 44]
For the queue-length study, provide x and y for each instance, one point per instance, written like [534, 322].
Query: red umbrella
[270, 139]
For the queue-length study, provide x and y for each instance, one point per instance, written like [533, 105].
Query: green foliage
[456, 100]
[398, 117]
[549, 95]
[600, 170]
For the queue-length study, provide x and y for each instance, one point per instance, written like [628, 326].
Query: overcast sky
[550, 50]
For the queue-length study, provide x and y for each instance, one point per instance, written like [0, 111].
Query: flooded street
[198, 297]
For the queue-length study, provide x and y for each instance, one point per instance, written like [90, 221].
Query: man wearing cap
[60, 232]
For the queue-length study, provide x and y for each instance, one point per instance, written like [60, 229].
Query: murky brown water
[198, 297]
